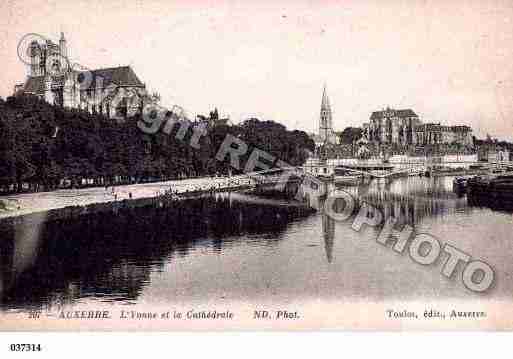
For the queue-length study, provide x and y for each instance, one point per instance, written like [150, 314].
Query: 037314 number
[25, 347]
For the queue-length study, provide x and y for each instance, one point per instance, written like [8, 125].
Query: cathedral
[392, 126]
[403, 127]
[115, 92]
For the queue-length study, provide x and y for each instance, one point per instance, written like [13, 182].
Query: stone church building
[115, 92]
[404, 127]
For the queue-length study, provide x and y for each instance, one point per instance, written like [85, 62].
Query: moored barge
[493, 189]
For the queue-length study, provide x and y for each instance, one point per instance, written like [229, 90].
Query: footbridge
[386, 170]
[382, 171]
[292, 182]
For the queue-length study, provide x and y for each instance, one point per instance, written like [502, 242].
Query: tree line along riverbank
[46, 147]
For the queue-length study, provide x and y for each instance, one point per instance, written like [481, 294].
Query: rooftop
[404, 113]
[120, 76]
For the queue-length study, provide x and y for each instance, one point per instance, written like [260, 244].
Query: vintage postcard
[256, 165]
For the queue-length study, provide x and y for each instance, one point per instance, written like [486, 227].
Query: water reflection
[328, 231]
[410, 199]
[112, 256]
[246, 248]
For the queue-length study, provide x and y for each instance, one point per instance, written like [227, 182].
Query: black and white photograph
[256, 165]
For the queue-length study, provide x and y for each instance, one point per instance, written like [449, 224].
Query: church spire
[325, 122]
[325, 104]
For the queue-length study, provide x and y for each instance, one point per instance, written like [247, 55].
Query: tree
[350, 135]
[102, 151]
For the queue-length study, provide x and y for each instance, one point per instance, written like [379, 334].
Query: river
[237, 248]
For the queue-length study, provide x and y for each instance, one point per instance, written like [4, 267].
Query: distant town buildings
[403, 127]
[434, 133]
[114, 92]
[493, 153]
[393, 126]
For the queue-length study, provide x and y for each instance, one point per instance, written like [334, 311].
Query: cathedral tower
[63, 47]
[35, 59]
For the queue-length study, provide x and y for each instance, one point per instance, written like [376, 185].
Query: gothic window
[42, 64]
[122, 108]
[58, 97]
[141, 106]
[56, 66]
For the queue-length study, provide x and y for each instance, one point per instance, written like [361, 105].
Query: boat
[344, 176]
[459, 184]
[490, 185]
[479, 185]
[347, 179]
[324, 178]
[492, 191]
[506, 178]
[501, 188]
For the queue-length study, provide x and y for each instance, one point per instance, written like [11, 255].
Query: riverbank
[77, 200]
[462, 172]
[32, 203]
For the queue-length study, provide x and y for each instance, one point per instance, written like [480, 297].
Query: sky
[450, 61]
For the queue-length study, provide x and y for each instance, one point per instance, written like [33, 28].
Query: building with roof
[391, 126]
[435, 133]
[404, 127]
[114, 92]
